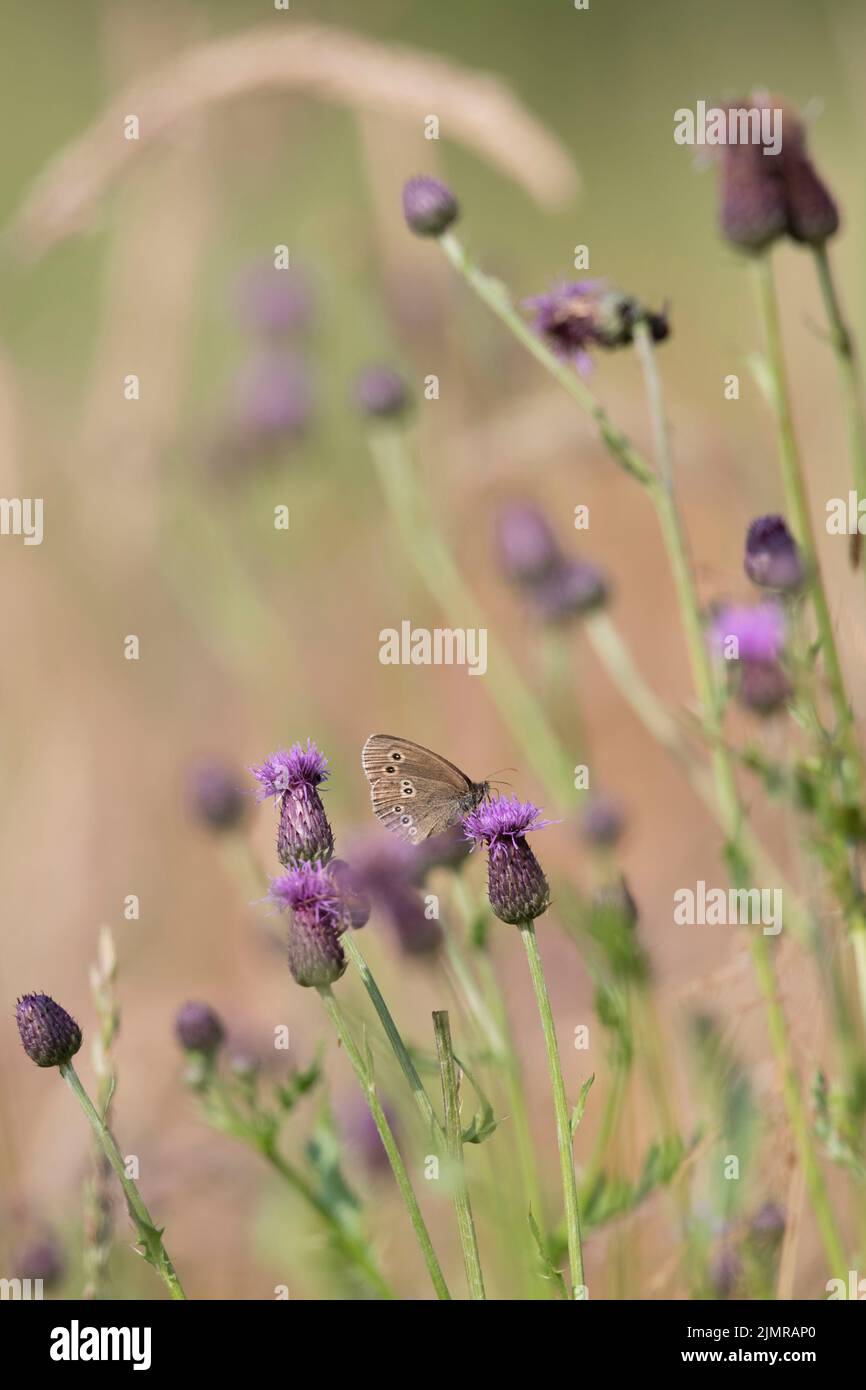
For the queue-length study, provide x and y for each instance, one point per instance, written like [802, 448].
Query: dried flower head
[199, 1028]
[295, 776]
[516, 885]
[49, 1035]
[429, 206]
[318, 917]
[575, 317]
[773, 557]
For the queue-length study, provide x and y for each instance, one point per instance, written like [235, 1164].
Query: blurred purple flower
[380, 391]
[526, 546]
[749, 633]
[429, 206]
[573, 588]
[272, 401]
[584, 314]
[763, 686]
[388, 871]
[199, 1028]
[273, 302]
[359, 1131]
[215, 799]
[43, 1259]
[772, 557]
[603, 822]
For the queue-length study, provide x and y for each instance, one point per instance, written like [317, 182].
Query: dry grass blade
[473, 107]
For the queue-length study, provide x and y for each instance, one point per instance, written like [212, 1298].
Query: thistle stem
[560, 1105]
[846, 361]
[148, 1234]
[368, 1086]
[454, 1143]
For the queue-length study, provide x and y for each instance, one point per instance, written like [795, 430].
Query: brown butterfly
[415, 792]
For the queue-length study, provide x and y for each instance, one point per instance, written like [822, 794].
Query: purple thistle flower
[763, 686]
[215, 798]
[273, 302]
[516, 885]
[304, 831]
[429, 206]
[773, 558]
[199, 1028]
[444, 851]
[41, 1259]
[388, 871]
[573, 588]
[380, 391]
[749, 633]
[604, 822]
[318, 917]
[584, 314]
[812, 212]
[49, 1035]
[272, 401]
[525, 543]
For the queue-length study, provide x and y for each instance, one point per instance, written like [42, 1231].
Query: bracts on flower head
[516, 885]
[319, 916]
[49, 1035]
[429, 206]
[304, 833]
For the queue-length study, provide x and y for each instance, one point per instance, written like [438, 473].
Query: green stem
[846, 361]
[560, 1105]
[401, 1052]
[367, 1084]
[454, 1143]
[149, 1237]
[520, 711]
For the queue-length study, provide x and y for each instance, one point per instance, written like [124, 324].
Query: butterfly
[415, 792]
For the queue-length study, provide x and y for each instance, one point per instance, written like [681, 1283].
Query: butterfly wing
[415, 792]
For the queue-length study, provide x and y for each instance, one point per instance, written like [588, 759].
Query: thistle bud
[516, 885]
[382, 392]
[215, 798]
[199, 1028]
[429, 206]
[753, 210]
[603, 823]
[571, 590]
[49, 1035]
[812, 213]
[773, 558]
[763, 687]
[525, 544]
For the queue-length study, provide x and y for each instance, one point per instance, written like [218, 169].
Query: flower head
[525, 543]
[272, 401]
[295, 776]
[584, 314]
[351, 887]
[749, 633]
[573, 588]
[215, 798]
[49, 1035]
[199, 1028]
[272, 301]
[318, 917]
[603, 822]
[380, 391]
[298, 768]
[763, 686]
[429, 206]
[43, 1259]
[516, 885]
[768, 1223]
[388, 872]
[773, 557]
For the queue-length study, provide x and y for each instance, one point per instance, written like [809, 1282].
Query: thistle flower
[214, 796]
[42, 1259]
[773, 558]
[755, 633]
[766, 196]
[295, 776]
[575, 317]
[516, 885]
[526, 546]
[318, 917]
[429, 206]
[573, 588]
[273, 302]
[272, 402]
[388, 871]
[199, 1028]
[768, 1223]
[603, 822]
[445, 851]
[49, 1035]
[380, 391]
[763, 686]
